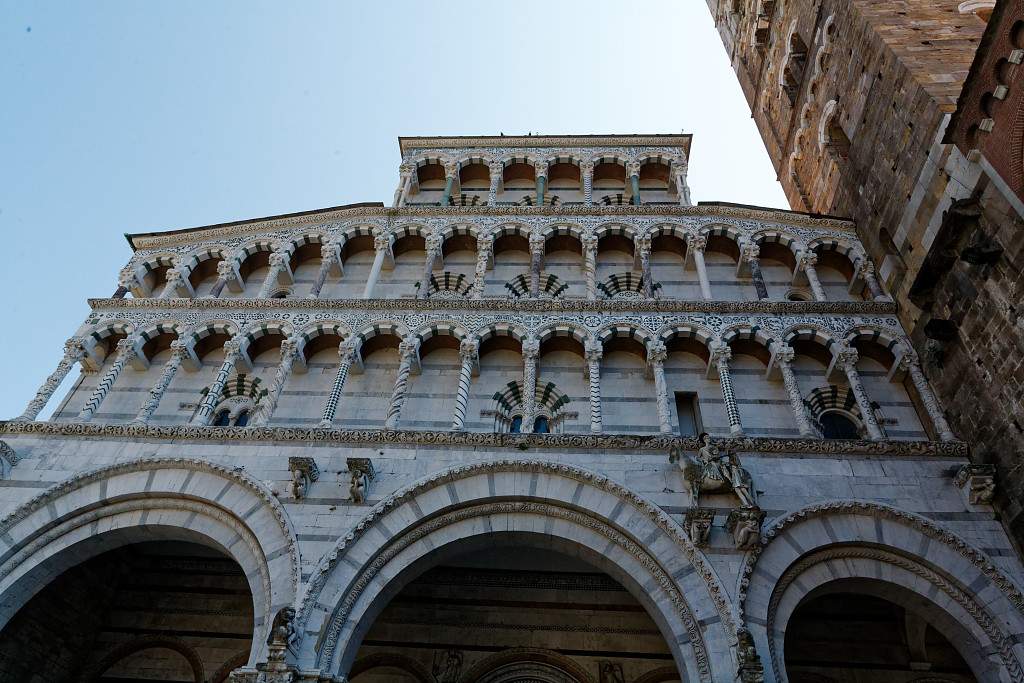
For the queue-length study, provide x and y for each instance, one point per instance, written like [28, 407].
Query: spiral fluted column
[531, 349]
[784, 358]
[125, 351]
[289, 351]
[656, 356]
[348, 351]
[590, 265]
[720, 355]
[407, 350]
[593, 351]
[179, 349]
[847, 359]
[468, 351]
[204, 414]
[73, 352]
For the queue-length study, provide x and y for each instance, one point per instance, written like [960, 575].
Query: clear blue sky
[138, 116]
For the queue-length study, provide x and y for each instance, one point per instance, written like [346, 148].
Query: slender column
[120, 292]
[330, 256]
[496, 170]
[751, 253]
[125, 351]
[531, 349]
[170, 289]
[633, 171]
[807, 262]
[382, 244]
[590, 265]
[484, 248]
[647, 280]
[695, 246]
[593, 352]
[179, 349]
[587, 176]
[73, 352]
[232, 351]
[348, 351]
[536, 261]
[225, 273]
[407, 349]
[679, 170]
[405, 172]
[847, 358]
[450, 171]
[433, 252]
[278, 263]
[720, 355]
[656, 356]
[541, 170]
[289, 350]
[783, 358]
[867, 271]
[468, 351]
[927, 396]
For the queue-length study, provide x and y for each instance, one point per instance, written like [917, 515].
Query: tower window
[517, 425]
[688, 414]
[541, 425]
[835, 425]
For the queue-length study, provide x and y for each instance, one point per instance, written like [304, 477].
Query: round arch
[898, 553]
[91, 673]
[551, 505]
[153, 499]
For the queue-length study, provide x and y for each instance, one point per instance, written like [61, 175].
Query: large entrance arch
[884, 554]
[139, 501]
[536, 504]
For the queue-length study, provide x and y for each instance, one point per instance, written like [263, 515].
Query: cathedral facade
[541, 420]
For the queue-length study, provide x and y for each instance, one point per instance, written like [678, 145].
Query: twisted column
[73, 352]
[232, 351]
[847, 359]
[278, 262]
[407, 350]
[468, 351]
[347, 352]
[924, 390]
[450, 171]
[696, 245]
[382, 245]
[783, 358]
[179, 349]
[495, 170]
[593, 352]
[720, 355]
[125, 351]
[751, 253]
[656, 356]
[590, 265]
[330, 255]
[289, 350]
[807, 261]
[433, 252]
[536, 261]
[531, 349]
[633, 171]
[484, 248]
[170, 290]
[646, 279]
[225, 273]
[587, 176]
[541, 171]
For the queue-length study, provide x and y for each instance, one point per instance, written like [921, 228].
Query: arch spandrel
[558, 503]
[152, 499]
[842, 540]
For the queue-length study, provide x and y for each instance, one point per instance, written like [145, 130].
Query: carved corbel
[361, 473]
[745, 526]
[8, 459]
[748, 663]
[304, 472]
[698, 523]
[978, 482]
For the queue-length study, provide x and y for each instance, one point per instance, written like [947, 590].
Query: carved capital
[590, 241]
[847, 357]
[697, 242]
[806, 259]
[531, 348]
[593, 350]
[720, 351]
[382, 242]
[784, 354]
[633, 168]
[468, 349]
[541, 169]
[657, 353]
[408, 346]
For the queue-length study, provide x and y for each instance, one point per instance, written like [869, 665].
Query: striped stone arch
[623, 285]
[449, 285]
[192, 260]
[382, 327]
[674, 229]
[686, 331]
[358, 230]
[610, 158]
[111, 328]
[264, 328]
[429, 160]
[241, 386]
[831, 397]
[456, 229]
[722, 230]
[512, 229]
[473, 158]
[155, 330]
[563, 328]
[520, 158]
[304, 239]
[549, 401]
[781, 237]
[409, 229]
[750, 333]
[562, 159]
[550, 286]
[501, 329]
[805, 332]
[443, 328]
[609, 229]
[842, 247]
[321, 329]
[869, 333]
[153, 261]
[210, 327]
[655, 158]
[571, 229]
[254, 247]
[624, 331]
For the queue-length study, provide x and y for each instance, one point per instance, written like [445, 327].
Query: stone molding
[382, 217]
[465, 143]
[659, 443]
[959, 594]
[518, 305]
[875, 510]
[655, 514]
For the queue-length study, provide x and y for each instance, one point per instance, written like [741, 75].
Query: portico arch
[880, 551]
[146, 500]
[532, 503]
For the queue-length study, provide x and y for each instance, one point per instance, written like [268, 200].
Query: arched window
[242, 419]
[540, 425]
[517, 425]
[836, 425]
[223, 419]
[793, 67]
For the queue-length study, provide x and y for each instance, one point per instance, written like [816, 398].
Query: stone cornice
[624, 442]
[199, 234]
[554, 141]
[503, 305]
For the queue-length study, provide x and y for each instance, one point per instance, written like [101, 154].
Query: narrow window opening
[688, 414]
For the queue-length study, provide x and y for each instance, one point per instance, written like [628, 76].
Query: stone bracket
[978, 482]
